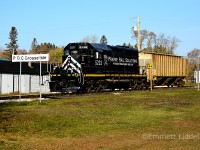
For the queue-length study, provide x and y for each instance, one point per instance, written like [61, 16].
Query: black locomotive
[93, 67]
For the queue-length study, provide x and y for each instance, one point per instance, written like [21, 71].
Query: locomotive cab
[90, 56]
[81, 53]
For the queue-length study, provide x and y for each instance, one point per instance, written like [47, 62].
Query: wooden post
[150, 76]
[151, 79]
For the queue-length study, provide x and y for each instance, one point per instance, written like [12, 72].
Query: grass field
[161, 119]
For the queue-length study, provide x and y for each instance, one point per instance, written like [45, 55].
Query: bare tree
[173, 44]
[147, 38]
[193, 58]
[156, 43]
[92, 39]
[86, 39]
[162, 40]
[151, 38]
[21, 51]
[193, 55]
[1, 49]
[168, 43]
[143, 36]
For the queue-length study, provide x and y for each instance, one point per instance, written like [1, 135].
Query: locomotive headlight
[68, 59]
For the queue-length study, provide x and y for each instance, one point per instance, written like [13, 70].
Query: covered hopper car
[165, 69]
[93, 67]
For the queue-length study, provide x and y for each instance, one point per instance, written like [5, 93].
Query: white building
[10, 83]
[10, 78]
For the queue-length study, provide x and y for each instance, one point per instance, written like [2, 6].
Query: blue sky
[64, 21]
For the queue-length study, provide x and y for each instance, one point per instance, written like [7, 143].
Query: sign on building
[31, 57]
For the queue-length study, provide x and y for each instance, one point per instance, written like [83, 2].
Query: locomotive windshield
[66, 52]
[74, 52]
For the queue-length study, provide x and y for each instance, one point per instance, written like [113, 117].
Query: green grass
[90, 121]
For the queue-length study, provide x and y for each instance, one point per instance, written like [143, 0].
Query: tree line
[149, 42]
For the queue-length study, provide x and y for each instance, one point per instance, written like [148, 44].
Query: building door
[15, 83]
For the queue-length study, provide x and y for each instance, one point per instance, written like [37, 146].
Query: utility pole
[138, 29]
[198, 74]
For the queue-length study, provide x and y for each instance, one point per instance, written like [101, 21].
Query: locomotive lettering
[120, 60]
[98, 62]
[112, 59]
[83, 47]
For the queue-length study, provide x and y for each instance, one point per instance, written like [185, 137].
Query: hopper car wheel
[134, 85]
[143, 86]
[170, 85]
[181, 83]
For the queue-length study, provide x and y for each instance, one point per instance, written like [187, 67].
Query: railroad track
[27, 96]
[59, 95]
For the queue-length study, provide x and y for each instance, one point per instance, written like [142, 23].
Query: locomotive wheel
[140, 86]
[54, 88]
[89, 88]
[98, 89]
[133, 85]
[143, 86]
[101, 85]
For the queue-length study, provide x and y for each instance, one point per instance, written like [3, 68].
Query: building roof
[3, 59]
[14, 68]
